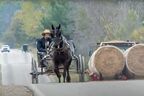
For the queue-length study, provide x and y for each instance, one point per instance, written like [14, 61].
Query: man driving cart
[42, 45]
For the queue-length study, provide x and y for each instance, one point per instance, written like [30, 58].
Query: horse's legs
[64, 73]
[67, 70]
[57, 73]
[68, 76]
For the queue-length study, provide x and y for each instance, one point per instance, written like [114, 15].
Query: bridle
[60, 49]
[52, 47]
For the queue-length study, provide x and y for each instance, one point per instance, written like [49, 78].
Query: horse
[62, 54]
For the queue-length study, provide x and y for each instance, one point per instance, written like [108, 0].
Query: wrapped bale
[107, 60]
[135, 60]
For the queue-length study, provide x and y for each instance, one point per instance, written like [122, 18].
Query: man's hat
[46, 31]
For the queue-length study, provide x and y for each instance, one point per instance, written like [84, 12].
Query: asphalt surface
[16, 68]
[101, 88]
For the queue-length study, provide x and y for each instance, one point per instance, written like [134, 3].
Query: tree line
[84, 21]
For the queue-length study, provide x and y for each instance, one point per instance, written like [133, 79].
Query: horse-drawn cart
[79, 68]
[59, 52]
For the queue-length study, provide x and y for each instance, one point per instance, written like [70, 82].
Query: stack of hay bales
[107, 60]
[110, 61]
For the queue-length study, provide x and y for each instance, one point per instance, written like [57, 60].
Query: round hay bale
[135, 59]
[107, 60]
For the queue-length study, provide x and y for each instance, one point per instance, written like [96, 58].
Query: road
[101, 88]
[15, 68]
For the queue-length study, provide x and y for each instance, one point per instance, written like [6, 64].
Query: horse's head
[57, 36]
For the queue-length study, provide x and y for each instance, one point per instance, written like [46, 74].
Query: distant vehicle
[123, 45]
[5, 48]
[25, 47]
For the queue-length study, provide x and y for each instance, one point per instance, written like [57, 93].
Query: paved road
[15, 68]
[102, 88]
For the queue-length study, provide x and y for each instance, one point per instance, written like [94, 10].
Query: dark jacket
[41, 44]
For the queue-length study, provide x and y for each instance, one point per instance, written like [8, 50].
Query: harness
[64, 47]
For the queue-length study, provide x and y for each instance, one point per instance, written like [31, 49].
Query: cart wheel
[81, 68]
[42, 70]
[34, 80]
[34, 72]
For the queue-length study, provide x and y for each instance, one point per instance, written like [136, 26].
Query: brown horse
[62, 55]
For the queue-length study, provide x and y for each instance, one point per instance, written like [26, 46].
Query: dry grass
[15, 91]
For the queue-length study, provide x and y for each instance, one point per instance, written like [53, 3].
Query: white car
[5, 48]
